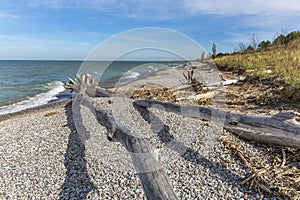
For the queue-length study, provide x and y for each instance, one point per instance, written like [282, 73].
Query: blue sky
[61, 29]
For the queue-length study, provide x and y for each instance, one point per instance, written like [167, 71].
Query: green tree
[263, 45]
[250, 49]
[214, 50]
[281, 39]
[292, 36]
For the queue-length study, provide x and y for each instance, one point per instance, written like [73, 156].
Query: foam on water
[152, 69]
[23, 84]
[55, 91]
[131, 74]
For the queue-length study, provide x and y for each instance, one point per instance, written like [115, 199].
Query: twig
[283, 158]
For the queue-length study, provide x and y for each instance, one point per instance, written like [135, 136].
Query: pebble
[45, 157]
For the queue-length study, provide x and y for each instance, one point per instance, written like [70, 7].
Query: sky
[71, 29]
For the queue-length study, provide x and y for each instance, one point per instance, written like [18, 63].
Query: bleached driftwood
[86, 82]
[181, 88]
[227, 82]
[190, 77]
[279, 129]
[154, 180]
[207, 95]
[206, 90]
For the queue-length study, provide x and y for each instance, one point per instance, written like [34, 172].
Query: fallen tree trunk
[279, 129]
[155, 182]
[266, 138]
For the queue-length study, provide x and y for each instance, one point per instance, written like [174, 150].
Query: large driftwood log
[154, 180]
[279, 129]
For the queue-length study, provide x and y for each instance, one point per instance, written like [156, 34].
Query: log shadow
[185, 152]
[77, 183]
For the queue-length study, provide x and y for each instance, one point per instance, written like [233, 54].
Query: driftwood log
[154, 180]
[279, 129]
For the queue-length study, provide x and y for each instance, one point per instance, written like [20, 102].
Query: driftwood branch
[154, 180]
[85, 84]
[278, 129]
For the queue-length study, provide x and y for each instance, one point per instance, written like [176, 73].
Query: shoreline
[44, 154]
[115, 81]
[35, 109]
[42, 149]
[110, 84]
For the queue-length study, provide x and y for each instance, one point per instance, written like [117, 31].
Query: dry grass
[161, 94]
[284, 64]
[50, 114]
[196, 84]
[273, 171]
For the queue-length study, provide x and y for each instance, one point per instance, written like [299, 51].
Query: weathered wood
[154, 180]
[225, 82]
[207, 95]
[181, 88]
[278, 129]
[87, 84]
[261, 137]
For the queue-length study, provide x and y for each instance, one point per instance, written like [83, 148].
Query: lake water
[26, 84]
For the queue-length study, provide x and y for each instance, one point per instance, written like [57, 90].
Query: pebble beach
[45, 154]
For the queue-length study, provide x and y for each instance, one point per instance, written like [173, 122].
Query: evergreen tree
[214, 50]
[203, 55]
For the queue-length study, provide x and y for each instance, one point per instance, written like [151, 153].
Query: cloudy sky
[70, 29]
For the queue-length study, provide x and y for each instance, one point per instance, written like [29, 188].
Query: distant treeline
[291, 40]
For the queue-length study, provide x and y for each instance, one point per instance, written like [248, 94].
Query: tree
[250, 48]
[242, 47]
[263, 45]
[292, 36]
[203, 55]
[280, 40]
[214, 50]
[254, 41]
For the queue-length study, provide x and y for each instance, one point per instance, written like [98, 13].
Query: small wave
[131, 75]
[55, 91]
[176, 65]
[152, 69]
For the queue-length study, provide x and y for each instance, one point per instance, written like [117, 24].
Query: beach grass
[284, 64]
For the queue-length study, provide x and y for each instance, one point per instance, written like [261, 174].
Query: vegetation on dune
[279, 59]
[273, 77]
[284, 64]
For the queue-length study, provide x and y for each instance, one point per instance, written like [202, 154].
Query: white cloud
[29, 47]
[242, 7]
[178, 8]
[170, 9]
[146, 9]
[24, 40]
[5, 15]
[245, 37]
